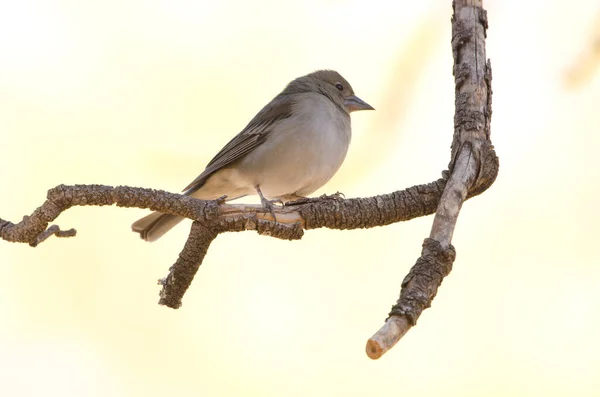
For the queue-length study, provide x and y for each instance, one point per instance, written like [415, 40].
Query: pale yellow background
[144, 94]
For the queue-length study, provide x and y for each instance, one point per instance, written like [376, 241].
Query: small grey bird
[291, 148]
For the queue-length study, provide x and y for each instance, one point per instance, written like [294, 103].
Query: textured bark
[330, 212]
[473, 168]
[183, 271]
[214, 217]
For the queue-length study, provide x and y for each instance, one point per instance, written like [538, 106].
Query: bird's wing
[252, 136]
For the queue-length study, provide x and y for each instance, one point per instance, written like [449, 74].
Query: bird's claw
[270, 205]
[306, 200]
[221, 200]
[334, 196]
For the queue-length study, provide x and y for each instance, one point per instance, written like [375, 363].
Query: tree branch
[213, 217]
[474, 167]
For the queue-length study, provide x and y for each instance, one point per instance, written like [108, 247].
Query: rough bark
[473, 168]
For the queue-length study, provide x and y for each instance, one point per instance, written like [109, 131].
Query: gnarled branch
[474, 167]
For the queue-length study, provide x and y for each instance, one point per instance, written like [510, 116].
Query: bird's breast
[302, 152]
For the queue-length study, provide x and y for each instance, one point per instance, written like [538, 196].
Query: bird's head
[331, 84]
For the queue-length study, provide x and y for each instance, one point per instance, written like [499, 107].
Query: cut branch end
[388, 335]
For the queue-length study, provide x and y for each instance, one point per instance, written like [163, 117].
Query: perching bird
[291, 148]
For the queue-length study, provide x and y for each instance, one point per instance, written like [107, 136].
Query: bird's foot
[306, 200]
[334, 196]
[221, 200]
[269, 205]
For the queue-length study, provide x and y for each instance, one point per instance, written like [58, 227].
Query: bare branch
[474, 167]
[332, 213]
[213, 217]
[183, 271]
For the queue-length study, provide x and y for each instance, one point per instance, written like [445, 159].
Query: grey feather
[252, 136]
[155, 225]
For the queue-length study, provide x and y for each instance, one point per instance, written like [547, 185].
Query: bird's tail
[153, 226]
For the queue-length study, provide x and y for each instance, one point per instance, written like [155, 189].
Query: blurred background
[145, 93]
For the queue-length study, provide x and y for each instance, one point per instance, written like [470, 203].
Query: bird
[291, 148]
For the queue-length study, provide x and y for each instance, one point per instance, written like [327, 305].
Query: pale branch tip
[473, 168]
[418, 290]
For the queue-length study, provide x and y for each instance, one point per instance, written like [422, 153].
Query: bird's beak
[354, 103]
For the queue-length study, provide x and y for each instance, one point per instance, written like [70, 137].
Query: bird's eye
[339, 86]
